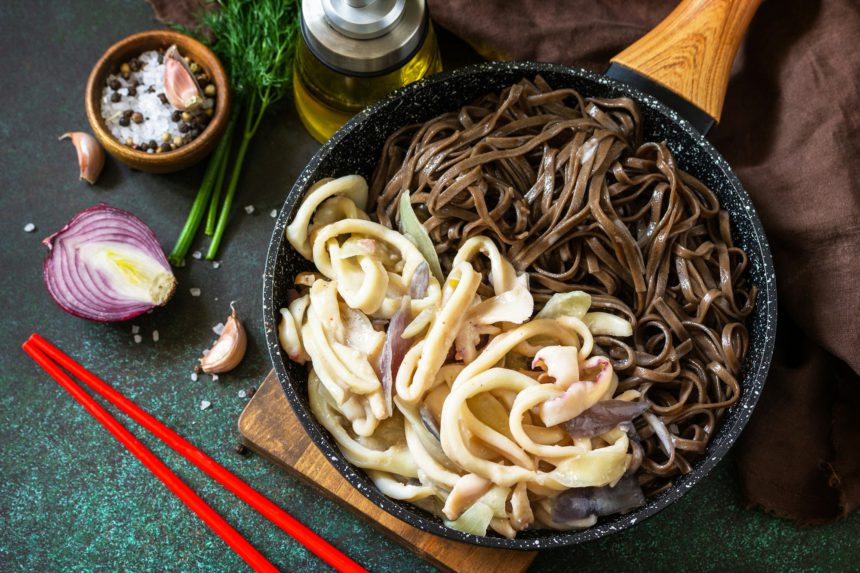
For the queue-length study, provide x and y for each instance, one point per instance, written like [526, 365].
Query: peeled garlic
[228, 350]
[91, 156]
[180, 86]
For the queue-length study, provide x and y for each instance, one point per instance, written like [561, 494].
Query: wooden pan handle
[692, 50]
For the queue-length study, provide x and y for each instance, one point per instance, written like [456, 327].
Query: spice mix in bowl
[158, 101]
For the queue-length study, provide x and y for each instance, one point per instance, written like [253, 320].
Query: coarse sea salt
[249, 209]
[156, 114]
[29, 228]
[197, 255]
[137, 339]
[218, 328]
[204, 404]
[194, 291]
[273, 213]
[155, 336]
[194, 376]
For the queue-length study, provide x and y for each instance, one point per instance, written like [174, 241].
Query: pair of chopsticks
[51, 358]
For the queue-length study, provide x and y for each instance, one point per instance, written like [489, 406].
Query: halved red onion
[581, 502]
[106, 265]
[602, 417]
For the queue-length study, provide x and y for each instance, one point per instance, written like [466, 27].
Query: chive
[231, 188]
[219, 184]
[186, 236]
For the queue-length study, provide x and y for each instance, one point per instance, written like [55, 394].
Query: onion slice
[106, 265]
[394, 350]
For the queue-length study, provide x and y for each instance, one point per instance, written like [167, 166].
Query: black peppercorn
[240, 449]
[194, 132]
[132, 91]
[153, 144]
[165, 147]
[160, 57]
[128, 113]
[114, 84]
[177, 115]
[163, 98]
[133, 83]
[134, 65]
[150, 90]
[123, 121]
[137, 117]
[183, 127]
[115, 97]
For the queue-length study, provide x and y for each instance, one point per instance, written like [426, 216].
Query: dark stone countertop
[72, 498]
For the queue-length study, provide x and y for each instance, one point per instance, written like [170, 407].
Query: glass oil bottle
[353, 52]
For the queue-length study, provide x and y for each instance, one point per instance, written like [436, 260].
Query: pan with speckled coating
[355, 148]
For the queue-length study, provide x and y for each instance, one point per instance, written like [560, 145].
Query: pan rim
[753, 381]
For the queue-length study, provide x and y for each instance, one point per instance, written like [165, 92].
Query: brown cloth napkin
[790, 130]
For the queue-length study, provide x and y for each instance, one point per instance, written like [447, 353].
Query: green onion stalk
[255, 39]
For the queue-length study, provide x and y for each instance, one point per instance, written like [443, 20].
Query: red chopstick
[40, 349]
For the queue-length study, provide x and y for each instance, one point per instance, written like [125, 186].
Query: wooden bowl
[186, 155]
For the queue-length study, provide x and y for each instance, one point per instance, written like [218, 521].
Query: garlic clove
[180, 86]
[91, 156]
[228, 350]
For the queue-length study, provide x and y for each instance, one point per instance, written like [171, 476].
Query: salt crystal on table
[214, 377]
[135, 329]
[29, 228]
[194, 291]
[197, 255]
[273, 213]
[205, 404]
[155, 336]
[218, 328]
[242, 393]
[249, 209]
[194, 376]
[216, 264]
[137, 338]
[205, 351]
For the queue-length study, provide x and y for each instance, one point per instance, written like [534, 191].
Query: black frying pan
[690, 52]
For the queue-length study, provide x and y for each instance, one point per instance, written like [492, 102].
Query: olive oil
[352, 53]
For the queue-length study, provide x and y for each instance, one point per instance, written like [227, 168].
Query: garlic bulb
[180, 86]
[228, 350]
[91, 156]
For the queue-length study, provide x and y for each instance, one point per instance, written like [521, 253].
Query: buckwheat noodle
[571, 194]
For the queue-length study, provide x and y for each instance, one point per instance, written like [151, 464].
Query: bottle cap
[364, 37]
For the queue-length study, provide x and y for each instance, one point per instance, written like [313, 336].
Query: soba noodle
[569, 192]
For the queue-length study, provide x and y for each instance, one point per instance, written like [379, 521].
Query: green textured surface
[72, 499]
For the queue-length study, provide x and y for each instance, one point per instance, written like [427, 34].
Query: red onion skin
[148, 243]
[394, 349]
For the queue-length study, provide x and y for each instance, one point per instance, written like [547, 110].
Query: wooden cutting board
[269, 427]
